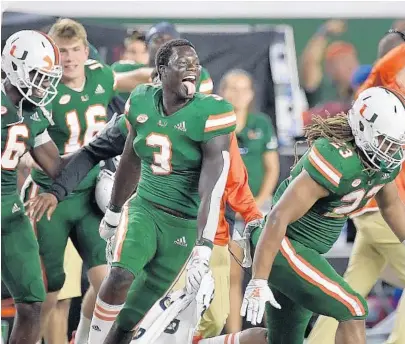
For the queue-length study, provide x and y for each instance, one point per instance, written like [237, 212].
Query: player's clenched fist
[257, 293]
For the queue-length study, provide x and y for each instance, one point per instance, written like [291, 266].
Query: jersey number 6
[15, 146]
[161, 160]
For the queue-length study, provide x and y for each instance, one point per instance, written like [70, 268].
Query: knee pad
[120, 277]
[55, 281]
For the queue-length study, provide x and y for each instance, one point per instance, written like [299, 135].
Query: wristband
[112, 218]
[205, 242]
[114, 208]
[58, 191]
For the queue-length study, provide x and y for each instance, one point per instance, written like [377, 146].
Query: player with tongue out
[181, 138]
[189, 82]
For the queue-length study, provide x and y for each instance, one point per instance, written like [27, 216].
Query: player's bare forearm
[268, 246]
[392, 209]
[214, 173]
[48, 159]
[127, 175]
[127, 81]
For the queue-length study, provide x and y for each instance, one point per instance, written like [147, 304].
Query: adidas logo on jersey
[17, 208]
[181, 242]
[35, 117]
[181, 126]
[99, 89]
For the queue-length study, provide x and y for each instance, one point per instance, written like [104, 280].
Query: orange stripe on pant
[308, 278]
[121, 233]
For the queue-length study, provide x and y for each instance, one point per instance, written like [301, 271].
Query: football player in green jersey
[178, 144]
[155, 38]
[79, 112]
[30, 60]
[351, 158]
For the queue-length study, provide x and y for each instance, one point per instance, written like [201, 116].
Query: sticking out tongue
[190, 87]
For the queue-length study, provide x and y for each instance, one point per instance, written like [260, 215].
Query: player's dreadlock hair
[165, 51]
[335, 129]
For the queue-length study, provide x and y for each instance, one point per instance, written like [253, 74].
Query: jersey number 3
[162, 159]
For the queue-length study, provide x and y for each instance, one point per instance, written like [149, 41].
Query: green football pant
[20, 261]
[154, 246]
[374, 247]
[77, 217]
[303, 282]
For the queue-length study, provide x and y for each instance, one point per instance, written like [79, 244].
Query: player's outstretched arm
[128, 172]
[295, 202]
[214, 174]
[108, 144]
[213, 177]
[392, 209]
[127, 81]
[126, 180]
[46, 155]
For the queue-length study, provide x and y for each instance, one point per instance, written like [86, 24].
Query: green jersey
[338, 168]
[17, 137]
[254, 140]
[79, 115]
[170, 146]
[204, 85]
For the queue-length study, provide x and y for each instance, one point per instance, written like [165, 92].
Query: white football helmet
[31, 61]
[175, 318]
[377, 119]
[104, 186]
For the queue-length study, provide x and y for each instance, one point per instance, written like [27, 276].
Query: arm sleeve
[108, 144]
[240, 198]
